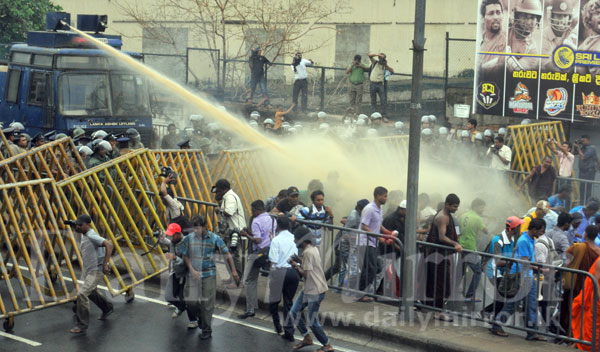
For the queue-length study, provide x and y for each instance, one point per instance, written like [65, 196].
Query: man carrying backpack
[503, 245]
[545, 253]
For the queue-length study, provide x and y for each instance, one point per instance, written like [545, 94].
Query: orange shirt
[582, 305]
[278, 119]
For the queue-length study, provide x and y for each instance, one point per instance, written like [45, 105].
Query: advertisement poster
[538, 59]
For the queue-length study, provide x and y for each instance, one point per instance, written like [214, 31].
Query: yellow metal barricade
[38, 254]
[4, 142]
[118, 197]
[246, 172]
[57, 160]
[194, 180]
[529, 149]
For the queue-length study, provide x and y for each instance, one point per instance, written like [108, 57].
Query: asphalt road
[144, 325]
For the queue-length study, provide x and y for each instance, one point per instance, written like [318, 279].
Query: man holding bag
[527, 282]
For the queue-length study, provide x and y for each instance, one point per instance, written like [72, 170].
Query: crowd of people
[288, 238]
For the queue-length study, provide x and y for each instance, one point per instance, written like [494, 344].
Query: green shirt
[357, 75]
[470, 225]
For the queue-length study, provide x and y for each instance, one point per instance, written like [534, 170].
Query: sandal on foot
[78, 330]
[365, 299]
[302, 344]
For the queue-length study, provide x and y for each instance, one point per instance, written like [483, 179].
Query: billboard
[538, 59]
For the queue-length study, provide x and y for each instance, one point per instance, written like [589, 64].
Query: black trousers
[438, 277]
[369, 267]
[498, 303]
[177, 298]
[283, 282]
[300, 86]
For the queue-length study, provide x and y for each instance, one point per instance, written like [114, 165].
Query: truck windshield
[129, 95]
[103, 94]
[84, 94]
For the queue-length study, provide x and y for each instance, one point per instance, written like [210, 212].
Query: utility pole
[414, 146]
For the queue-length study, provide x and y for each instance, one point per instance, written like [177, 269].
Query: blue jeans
[262, 82]
[474, 262]
[313, 302]
[530, 302]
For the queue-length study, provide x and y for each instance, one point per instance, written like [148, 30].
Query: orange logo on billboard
[590, 107]
[521, 92]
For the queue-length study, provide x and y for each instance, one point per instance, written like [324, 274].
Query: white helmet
[479, 136]
[425, 118]
[371, 132]
[99, 134]
[502, 131]
[285, 125]
[363, 117]
[268, 122]
[17, 126]
[222, 108]
[196, 117]
[465, 134]
[526, 122]
[84, 149]
[324, 126]
[432, 119]
[427, 132]
[106, 145]
[399, 125]
[376, 115]
[321, 115]
[488, 133]
[254, 115]
[361, 122]
[292, 130]
[443, 130]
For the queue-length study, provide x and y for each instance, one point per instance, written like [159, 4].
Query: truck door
[11, 110]
[40, 105]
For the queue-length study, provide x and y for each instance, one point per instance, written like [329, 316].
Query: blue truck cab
[59, 81]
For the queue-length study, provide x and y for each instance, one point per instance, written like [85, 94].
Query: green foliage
[17, 17]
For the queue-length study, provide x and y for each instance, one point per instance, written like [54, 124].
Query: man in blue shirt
[558, 202]
[528, 289]
[198, 252]
[588, 213]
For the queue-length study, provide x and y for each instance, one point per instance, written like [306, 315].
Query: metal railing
[438, 262]
[342, 263]
[549, 296]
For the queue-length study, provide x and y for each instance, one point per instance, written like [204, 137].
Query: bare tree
[233, 26]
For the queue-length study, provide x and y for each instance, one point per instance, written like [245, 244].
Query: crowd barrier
[57, 160]
[245, 171]
[38, 254]
[115, 195]
[194, 179]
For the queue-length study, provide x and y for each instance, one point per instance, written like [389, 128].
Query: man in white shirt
[565, 157]
[283, 278]
[501, 154]
[230, 206]
[300, 79]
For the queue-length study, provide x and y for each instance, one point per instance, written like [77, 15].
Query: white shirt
[300, 72]
[282, 248]
[174, 207]
[504, 152]
[232, 206]
[566, 164]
